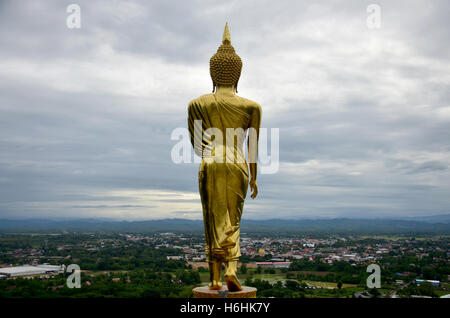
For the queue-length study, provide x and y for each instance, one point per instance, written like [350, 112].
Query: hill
[281, 226]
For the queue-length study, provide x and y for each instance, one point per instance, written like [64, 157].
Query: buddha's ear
[214, 87]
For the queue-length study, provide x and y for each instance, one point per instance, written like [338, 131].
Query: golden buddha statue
[215, 120]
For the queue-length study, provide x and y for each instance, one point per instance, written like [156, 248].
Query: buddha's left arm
[195, 132]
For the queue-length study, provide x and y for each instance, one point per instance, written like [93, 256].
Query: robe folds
[223, 175]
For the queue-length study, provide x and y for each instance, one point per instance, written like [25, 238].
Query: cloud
[86, 114]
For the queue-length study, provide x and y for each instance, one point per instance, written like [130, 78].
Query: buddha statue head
[225, 66]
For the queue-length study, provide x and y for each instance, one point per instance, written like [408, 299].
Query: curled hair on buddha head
[225, 66]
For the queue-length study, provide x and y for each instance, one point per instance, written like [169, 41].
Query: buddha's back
[227, 117]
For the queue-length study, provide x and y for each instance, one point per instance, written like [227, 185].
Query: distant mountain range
[422, 225]
[441, 218]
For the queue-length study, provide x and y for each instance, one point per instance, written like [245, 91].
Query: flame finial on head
[225, 66]
[226, 38]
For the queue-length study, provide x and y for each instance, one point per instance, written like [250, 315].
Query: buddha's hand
[253, 188]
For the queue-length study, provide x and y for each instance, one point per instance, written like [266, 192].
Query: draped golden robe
[223, 175]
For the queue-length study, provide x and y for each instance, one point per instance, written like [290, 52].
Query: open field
[273, 278]
[317, 273]
[327, 285]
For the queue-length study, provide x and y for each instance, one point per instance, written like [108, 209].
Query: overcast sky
[86, 114]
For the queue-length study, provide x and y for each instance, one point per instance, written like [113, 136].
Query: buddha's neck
[225, 90]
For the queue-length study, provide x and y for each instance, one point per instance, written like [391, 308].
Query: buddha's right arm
[253, 138]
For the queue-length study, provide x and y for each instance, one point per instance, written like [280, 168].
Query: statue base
[205, 292]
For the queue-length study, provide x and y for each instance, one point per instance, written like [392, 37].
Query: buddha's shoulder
[202, 100]
[208, 99]
[249, 103]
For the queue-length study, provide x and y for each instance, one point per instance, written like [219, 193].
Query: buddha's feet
[215, 282]
[215, 285]
[232, 283]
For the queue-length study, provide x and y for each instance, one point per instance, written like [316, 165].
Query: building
[174, 257]
[55, 269]
[27, 270]
[273, 264]
[432, 282]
